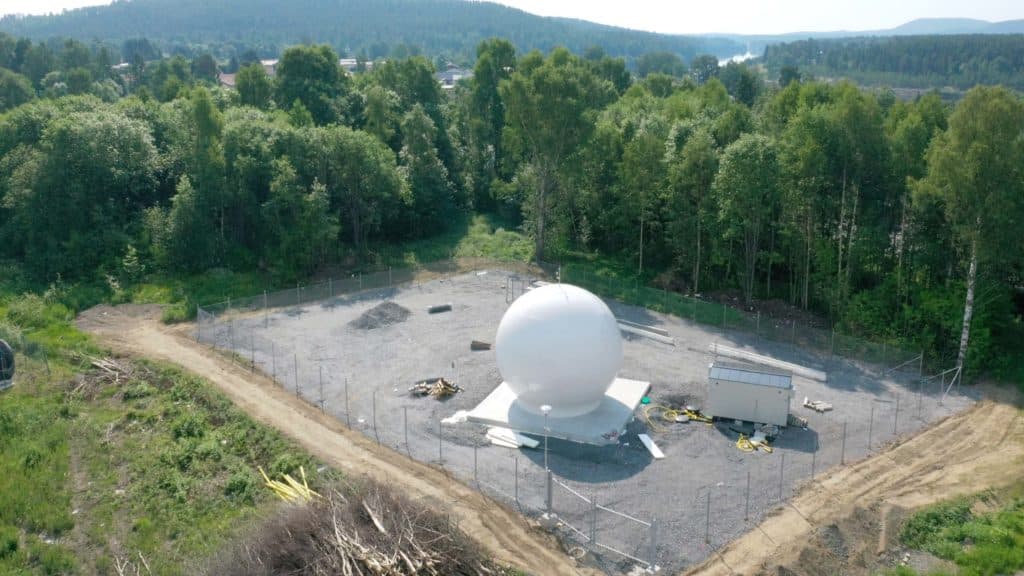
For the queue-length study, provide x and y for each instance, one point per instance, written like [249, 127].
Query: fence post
[375, 435]
[896, 416]
[548, 505]
[440, 443]
[782, 472]
[707, 520]
[723, 315]
[330, 288]
[273, 358]
[348, 413]
[252, 353]
[832, 350]
[295, 365]
[405, 427]
[266, 311]
[322, 388]
[792, 331]
[871, 425]
[515, 488]
[920, 365]
[920, 390]
[814, 456]
[476, 478]
[360, 281]
[593, 519]
[298, 300]
[842, 456]
[389, 276]
[757, 328]
[746, 507]
[653, 536]
[199, 323]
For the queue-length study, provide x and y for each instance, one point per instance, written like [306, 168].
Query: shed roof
[754, 377]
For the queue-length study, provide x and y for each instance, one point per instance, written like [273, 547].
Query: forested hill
[375, 27]
[909, 61]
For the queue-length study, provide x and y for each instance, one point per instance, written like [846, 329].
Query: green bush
[8, 541]
[242, 486]
[189, 426]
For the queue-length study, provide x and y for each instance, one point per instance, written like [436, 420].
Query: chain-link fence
[612, 502]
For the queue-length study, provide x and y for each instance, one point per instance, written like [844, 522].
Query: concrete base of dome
[601, 426]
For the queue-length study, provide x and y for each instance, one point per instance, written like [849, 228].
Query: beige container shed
[746, 394]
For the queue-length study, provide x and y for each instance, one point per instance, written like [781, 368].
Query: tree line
[894, 219]
[959, 61]
[372, 29]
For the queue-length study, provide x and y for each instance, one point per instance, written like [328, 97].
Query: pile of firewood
[436, 387]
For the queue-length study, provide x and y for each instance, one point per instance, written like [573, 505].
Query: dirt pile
[382, 315]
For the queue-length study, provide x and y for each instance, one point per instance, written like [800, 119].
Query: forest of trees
[370, 28]
[885, 216]
[908, 61]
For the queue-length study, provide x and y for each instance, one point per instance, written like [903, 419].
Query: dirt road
[854, 508]
[136, 330]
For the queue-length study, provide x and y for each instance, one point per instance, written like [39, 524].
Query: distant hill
[932, 61]
[374, 27]
[920, 27]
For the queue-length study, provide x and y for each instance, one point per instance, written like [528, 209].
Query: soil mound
[380, 316]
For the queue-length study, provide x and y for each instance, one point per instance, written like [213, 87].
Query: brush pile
[369, 531]
[436, 387]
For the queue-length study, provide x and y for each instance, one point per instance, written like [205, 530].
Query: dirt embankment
[847, 521]
[136, 330]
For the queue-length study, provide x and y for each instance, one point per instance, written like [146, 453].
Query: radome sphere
[559, 345]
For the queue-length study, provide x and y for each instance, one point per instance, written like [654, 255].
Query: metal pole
[440, 444]
[920, 390]
[653, 536]
[405, 428]
[266, 311]
[593, 519]
[792, 329]
[832, 350]
[330, 287]
[295, 364]
[707, 520]
[723, 315]
[321, 387]
[348, 414]
[476, 478]
[842, 457]
[920, 365]
[757, 329]
[547, 499]
[298, 300]
[273, 355]
[516, 485]
[389, 276]
[814, 457]
[360, 280]
[782, 472]
[896, 416]
[871, 425]
[252, 353]
[746, 508]
[199, 324]
[375, 435]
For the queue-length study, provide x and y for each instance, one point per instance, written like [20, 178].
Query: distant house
[270, 66]
[351, 65]
[226, 80]
[452, 75]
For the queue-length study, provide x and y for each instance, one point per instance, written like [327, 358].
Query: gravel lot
[364, 374]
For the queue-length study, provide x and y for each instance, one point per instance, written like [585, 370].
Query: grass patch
[96, 470]
[471, 236]
[980, 543]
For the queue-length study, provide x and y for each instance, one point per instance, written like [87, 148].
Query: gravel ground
[361, 373]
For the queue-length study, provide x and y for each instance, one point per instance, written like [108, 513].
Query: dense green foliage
[372, 28]
[846, 203]
[96, 470]
[979, 543]
[908, 61]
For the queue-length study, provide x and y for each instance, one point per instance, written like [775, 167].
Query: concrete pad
[600, 427]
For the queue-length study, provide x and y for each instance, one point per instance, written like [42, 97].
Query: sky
[700, 17]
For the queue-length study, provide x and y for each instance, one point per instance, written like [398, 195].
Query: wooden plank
[735, 353]
[647, 334]
[651, 446]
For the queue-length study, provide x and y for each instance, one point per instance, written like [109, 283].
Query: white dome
[559, 345]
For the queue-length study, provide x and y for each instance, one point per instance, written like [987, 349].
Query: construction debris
[817, 405]
[737, 354]
[754, 443]
[478, 346]
[509, 438]
[457, 418]
[439, 309]
[797, 421]
[436, 387]
[290, 490]
[646, 332]
[651, 446]
[380, 316]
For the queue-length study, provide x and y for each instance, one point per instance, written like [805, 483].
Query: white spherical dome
[559, 345]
